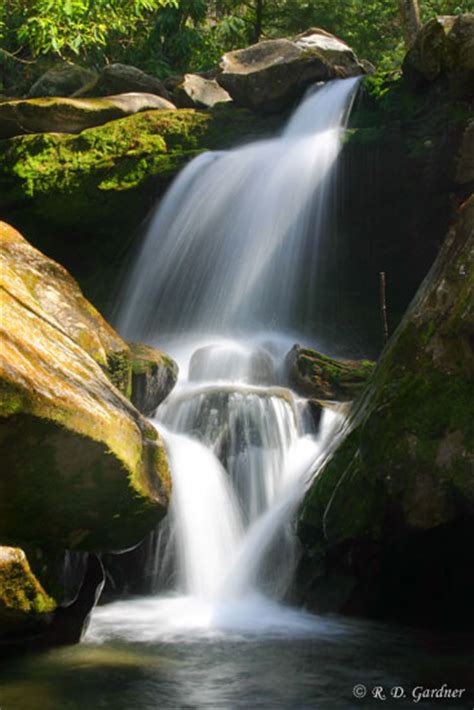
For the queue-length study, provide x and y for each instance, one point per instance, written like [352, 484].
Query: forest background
[164, 37]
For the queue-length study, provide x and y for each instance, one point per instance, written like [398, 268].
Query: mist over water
[218, 283]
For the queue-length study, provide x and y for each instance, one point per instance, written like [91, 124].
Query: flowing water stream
[227, 281]
[226, 257]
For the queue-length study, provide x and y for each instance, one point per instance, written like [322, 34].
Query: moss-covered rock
[406, 466]
[154, 375]
[444, 47]
[24, 604]
[65, 115]
[81, 198]
[82, 468]
[315, 375]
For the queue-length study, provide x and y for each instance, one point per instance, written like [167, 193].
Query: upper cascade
[235, 242]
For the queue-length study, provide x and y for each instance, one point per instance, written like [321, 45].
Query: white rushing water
[236, 241]
[231, 250]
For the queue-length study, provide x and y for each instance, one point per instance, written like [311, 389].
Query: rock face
[154, 375]
[122, 79]
[63, 80]
[445, 48]
[85, 469]
[314, 375]
[23, 601]
[271, 75]
[386, 521]
[195, 91]
[399, 135]
[58, 115]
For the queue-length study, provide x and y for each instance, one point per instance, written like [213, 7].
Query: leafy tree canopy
[166, 36]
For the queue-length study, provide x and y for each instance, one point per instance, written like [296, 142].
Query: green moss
[20, 591]
[415, 421]
[11, 400]
[76, 509]
[342, 378]
[119, 372]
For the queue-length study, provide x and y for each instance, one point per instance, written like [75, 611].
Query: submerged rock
[121, 79]
[82, 468]
[386, 521]
[64, 115]
[227, 363]
[62, 80]
[195, 91]
[272, 74]
[318, 376]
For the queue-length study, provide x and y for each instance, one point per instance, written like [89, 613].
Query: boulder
[143, 374]
[82, 469]
[154, 375]
[318, 376]
[123, 79]
[24, 604]
[63, 115]
[444, 48]
[195, 91]
[61, 80]
[272, 74]
[386, 520]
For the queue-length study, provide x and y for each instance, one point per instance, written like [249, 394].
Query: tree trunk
[411, 23]
[257, 28]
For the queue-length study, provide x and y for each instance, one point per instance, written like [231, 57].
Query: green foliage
[73, 28]
[165, 36]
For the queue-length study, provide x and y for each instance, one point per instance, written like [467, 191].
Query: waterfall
[236, 241]
[230, 261]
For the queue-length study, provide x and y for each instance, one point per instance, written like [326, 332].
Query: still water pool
[313, 669]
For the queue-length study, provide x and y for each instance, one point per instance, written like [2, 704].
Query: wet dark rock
[397, 498]
[315, 375]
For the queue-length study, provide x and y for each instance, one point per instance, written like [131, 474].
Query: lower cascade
[220, 273]
[241, 457]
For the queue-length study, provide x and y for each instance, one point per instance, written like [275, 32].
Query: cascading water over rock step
[231, 249]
